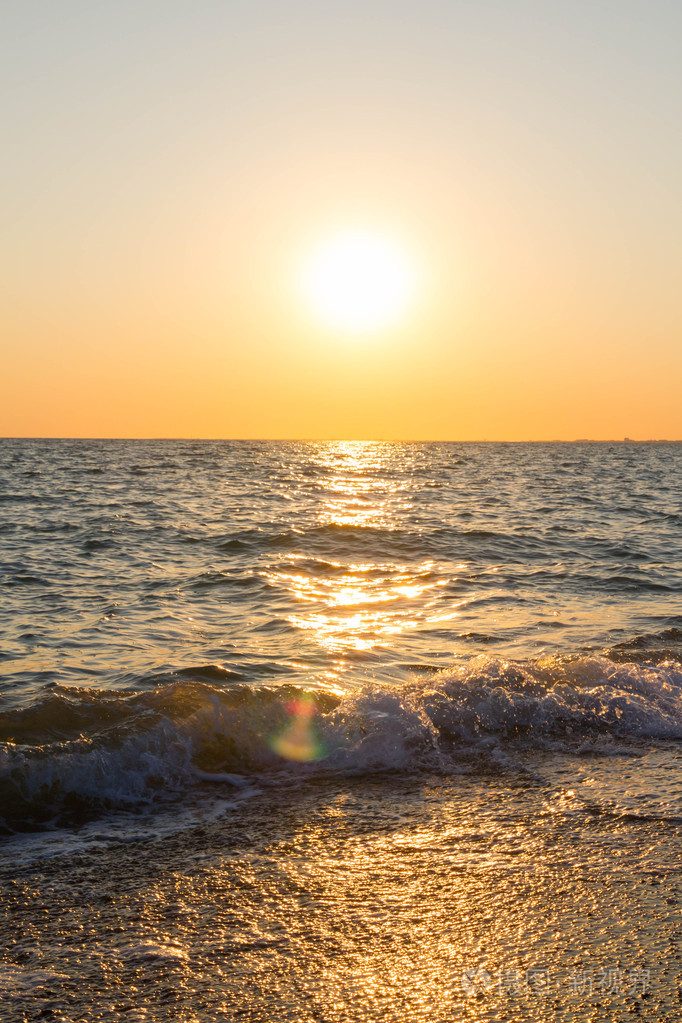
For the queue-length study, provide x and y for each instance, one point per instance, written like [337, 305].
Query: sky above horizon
[169, 167]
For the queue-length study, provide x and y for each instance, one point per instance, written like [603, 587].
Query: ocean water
[327, 731]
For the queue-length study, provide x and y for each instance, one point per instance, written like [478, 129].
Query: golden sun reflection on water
[349, 603]
[359, 491]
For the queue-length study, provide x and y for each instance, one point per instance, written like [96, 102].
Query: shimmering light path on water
[334, 562]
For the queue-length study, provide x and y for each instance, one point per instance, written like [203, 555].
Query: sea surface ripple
[165, 605]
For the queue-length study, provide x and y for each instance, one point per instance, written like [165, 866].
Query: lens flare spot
[299, 739]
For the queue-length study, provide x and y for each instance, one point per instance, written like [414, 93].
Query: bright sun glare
[359, 282]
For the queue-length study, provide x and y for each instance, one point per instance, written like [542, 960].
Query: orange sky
[170, 167]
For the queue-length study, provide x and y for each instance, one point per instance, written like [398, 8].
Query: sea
[340, 731]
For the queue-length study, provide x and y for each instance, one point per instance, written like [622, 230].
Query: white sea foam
[21, 980]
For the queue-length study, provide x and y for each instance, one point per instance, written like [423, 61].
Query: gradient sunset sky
[167, 167]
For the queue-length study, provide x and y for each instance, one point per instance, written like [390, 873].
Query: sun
[359, 281]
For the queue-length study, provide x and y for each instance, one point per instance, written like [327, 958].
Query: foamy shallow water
[529, 897]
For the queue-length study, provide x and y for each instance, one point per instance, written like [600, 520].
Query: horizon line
[356, 440]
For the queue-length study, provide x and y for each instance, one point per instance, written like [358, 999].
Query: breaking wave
[77, 753]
